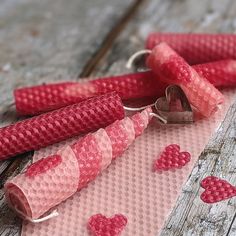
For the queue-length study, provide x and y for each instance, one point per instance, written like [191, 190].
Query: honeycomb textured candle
[52, 127]
[79, 163]
[173, 69]
[42, 98]
[197, 48]
[221, 74]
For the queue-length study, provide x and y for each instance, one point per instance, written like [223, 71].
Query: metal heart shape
[174, 108]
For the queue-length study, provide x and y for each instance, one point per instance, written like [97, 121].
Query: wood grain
[42, 42]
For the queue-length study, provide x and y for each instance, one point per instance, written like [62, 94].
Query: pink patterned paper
[129, 186]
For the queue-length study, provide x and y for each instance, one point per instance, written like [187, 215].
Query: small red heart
[216, 189]
[43, 165]
[172, 158]
[100, 225]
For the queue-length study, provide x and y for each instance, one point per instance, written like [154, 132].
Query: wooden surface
[41, 41]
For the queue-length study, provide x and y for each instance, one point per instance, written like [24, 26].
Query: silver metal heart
[174, 108]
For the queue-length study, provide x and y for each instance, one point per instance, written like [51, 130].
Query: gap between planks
[110, 38]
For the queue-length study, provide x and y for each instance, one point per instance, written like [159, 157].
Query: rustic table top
[43, 41]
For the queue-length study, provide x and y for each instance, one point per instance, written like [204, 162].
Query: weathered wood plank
[44, 41]
[232, 229]
[190, 216]
[8, 228]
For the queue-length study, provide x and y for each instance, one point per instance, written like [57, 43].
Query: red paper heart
[100, 225]
[43, 165]
[216, 189]
[172, 158]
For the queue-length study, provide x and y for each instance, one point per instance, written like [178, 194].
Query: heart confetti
[172, 158]
[216, 190]
[100, 225]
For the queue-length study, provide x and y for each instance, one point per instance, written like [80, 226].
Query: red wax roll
[52, 127]
[173, 69]
[38, 99]
[221, 74]
[42, 98]
[55, 178]
[197, 48]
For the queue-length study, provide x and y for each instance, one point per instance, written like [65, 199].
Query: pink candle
[173, 69]
[197, 48]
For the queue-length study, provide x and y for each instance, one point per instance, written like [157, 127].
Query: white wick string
[131, 60]
[142, 108]
[51, 215]
[138, 108]
[159, 117]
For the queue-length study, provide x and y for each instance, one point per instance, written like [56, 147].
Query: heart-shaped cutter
[174, 108]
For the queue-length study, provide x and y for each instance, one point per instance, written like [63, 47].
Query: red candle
[221, 74]
[197, 48]
[52, 127]
[173, 69]
[42, 98]
[38, 99]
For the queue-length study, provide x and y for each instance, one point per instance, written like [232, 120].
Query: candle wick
[131, 60]
[51, 215]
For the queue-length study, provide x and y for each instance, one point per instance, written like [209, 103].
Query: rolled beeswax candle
[173, 69]
[51, 180]
[197, 48]
[58, 125]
